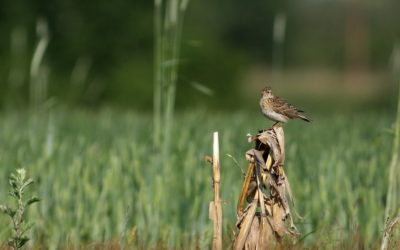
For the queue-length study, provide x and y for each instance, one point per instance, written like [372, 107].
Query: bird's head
[267, 92]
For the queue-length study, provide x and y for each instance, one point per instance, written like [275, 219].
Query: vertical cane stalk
[157, 71]
[392, 194]
[168, 20]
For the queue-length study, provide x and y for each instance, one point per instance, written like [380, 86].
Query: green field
[99, 176]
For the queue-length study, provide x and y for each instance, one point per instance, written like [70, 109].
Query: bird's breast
[272, 115]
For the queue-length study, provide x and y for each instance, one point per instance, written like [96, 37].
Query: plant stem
[391, 197]
[168, 19]
[157, 71]
[38, 78]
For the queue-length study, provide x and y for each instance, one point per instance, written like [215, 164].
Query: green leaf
[13, 177]
[202, 88]
[32, 200]
[7, 210]
[27, 183]
[26, 226]
[15, 194]
[12, 194]
[22, 241]
[13, 183]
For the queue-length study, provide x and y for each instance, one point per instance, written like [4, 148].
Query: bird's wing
[281, 106]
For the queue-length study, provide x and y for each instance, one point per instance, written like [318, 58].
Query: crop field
[100, 180]
[109, 111]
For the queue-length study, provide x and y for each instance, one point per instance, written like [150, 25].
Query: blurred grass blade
[394, 170]
[168, 20]
[38, 74]
[202, 88]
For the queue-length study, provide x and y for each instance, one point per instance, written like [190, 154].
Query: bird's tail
[304, 118]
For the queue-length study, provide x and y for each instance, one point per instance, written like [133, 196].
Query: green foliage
[168, 21]
[118, 41]
[20, 226]
[392, 200]
[93, 166]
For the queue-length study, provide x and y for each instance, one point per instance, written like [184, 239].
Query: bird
[278, 109]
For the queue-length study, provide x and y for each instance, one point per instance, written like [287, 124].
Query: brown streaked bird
[278, 109]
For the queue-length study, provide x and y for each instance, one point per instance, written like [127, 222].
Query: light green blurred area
[98, 177]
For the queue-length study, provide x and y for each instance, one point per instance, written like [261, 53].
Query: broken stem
[216, 213]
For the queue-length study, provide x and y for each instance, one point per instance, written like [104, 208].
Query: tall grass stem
[157, 72]
[393, 186]
[38, 73]
[168, 20]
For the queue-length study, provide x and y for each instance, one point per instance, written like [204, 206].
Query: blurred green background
[105, 177]
[101, 54]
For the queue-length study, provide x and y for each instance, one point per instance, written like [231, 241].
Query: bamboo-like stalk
[216, 212]
[168, 20]
[157, 71]
[174, 21]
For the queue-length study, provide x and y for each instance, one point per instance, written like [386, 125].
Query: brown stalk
[264, 229]
[215, 212]
[245, 188]
[262, 232]
[386, 234]
[246, 224]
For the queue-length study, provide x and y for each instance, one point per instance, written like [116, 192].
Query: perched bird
[277, 109]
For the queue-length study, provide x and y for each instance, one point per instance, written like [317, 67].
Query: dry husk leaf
[263, 230]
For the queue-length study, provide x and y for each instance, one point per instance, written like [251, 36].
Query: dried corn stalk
[261, 230]
[215, 208]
